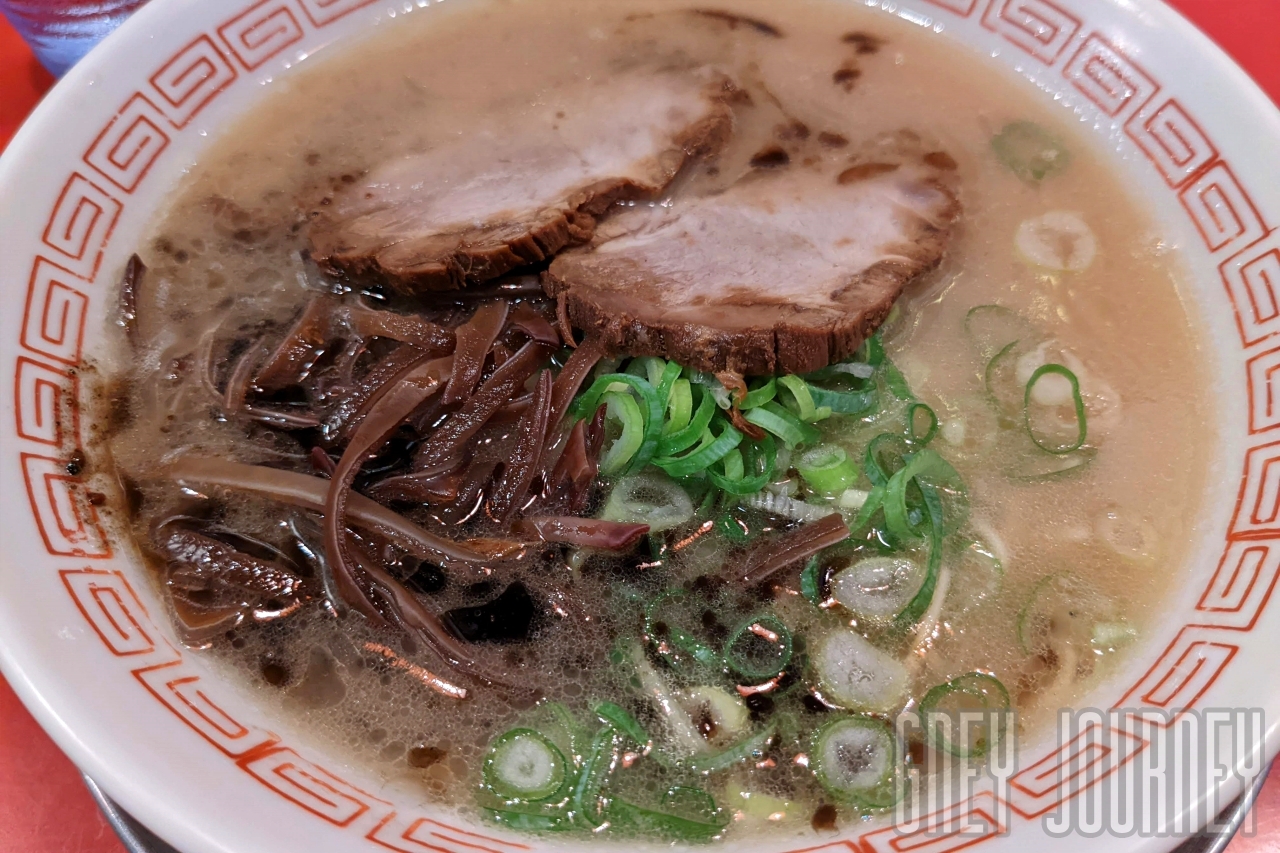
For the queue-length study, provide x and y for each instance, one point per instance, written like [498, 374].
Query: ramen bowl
[84, 638]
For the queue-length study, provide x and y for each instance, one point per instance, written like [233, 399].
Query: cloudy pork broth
[866, 412]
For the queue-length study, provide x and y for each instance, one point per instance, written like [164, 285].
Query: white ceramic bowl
[83, 639]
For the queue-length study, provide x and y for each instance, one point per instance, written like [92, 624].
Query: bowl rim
[136, 34]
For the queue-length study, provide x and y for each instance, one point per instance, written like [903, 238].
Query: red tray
[44, 805]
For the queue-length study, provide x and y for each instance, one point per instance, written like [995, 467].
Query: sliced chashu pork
[516, 192]
[786, 271]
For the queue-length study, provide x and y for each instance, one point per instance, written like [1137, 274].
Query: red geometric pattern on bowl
[1258, 507]
[127, 147]
[1042, 29]
[45, 402]
[1252, 278]
[261, 32]
[956, 827]
[122, 155]
[1184, 672]
[1075, 766]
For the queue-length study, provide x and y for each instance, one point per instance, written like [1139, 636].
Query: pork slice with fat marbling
[522, 188]
[785, 271]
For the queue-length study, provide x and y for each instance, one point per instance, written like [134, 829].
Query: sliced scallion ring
[858, 759]
[827, 469]
[748, 468]
[1077, 402]
[802, 402]
[679, 408]
[711, 449]
[624, 410]
[524, 765]
[775, 419]
[759, 648]
[967, 715]
[922, 424]
[886, 455]
[857, 675]
[651, 498]
[618, 717]
[650, 406]
[746, 749]
[878, 588]
[1030, 151]
[585, 801]
[664, 629]
[994, 327]
[1001, 379]
[686, 436]
[759, 396]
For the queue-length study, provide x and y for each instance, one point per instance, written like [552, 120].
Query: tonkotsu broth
[1123, 523]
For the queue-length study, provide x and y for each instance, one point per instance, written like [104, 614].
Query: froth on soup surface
[1032, 550]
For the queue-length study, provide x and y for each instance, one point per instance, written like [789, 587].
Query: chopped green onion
[914, 435]
[994, 327]
[693, 803]
[873, 504]
[651, 498]
[802, 397]
[759, 648]
[957, 715]
[665, 380]
[827, 469]
[622, 408]
[924, 466]
[811, 581]
[843, 402]
[530, 819]
[1029, 151]
[759, 396]
[896, 382]
[919, 605]
[711, 450]
[857, 675]
[732, 529]
[524, 765]
[1034, 466]
[659, 630]
[679, 409]
[747, 749]
[858, 759]
[651, 411]
[585, 802]
[628, 817]
[620, 719]
[886, 455]
[775, 419]
[878, 588]
[1076, 400]
[1001, 379]
[684, 437]
[1061, 610]
[734, 479]
[726, 710]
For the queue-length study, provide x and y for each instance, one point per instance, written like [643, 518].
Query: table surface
[44, 806]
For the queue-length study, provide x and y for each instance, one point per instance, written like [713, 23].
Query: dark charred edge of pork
[477, 256]
[785, 347]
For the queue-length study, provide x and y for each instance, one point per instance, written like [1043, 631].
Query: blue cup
[61, 32]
